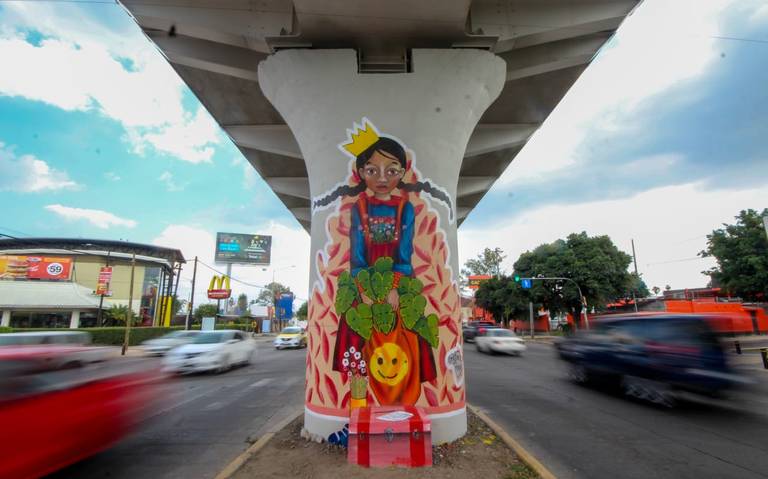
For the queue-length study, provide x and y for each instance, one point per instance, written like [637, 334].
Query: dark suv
[470, 330]
[651, 357]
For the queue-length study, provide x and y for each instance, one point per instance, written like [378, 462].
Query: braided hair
[392, 148]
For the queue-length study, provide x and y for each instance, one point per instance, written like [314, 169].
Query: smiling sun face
[389, 364]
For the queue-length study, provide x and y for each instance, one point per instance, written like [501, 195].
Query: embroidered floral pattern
[382, 229]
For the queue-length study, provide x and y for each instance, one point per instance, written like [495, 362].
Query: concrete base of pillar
[446, 427]
[6, 321]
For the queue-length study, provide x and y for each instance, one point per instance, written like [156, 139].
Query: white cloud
[290, 247]
[170, 184]
[99, 218]
[112, 176]
[661, 45]
[81, 72]
[250, 177]
[28, 174]
[668, 225]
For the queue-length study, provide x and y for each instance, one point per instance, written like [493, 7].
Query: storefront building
[61, 282]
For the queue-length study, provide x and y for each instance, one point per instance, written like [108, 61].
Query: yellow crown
[362, 139]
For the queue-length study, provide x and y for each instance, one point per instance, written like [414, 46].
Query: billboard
[102, 285]
[243, 248]
[35, 267]
[475, 280]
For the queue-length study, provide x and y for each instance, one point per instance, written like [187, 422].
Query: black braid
[343, 190]
[427, 187]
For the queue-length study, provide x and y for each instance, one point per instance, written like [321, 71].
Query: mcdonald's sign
[219, 287]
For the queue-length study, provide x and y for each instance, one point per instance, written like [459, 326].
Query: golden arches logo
[219, 287]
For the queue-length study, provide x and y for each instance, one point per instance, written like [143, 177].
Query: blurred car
[291, 337]
[211, 351]
[651, 357]
[498, 340]
[53, 417]
[160, 346]
[470, 330]
[56, 349]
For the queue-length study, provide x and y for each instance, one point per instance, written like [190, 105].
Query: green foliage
[360, 320]
[411, 309]
[117, 316]
[364, 280]
[487, 262]
[504, 298]
[741, 251]
[4, 329]
[427, 328]
[383, 264]
[113, 336]
[345, 296]
[205, 311]
[383, 317]
[267, 295]
[595, 263]
[303, 311]
[242, 304]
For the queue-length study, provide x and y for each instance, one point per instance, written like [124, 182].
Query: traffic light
[517, 278]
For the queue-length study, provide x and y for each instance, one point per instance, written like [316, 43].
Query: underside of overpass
[216, 47]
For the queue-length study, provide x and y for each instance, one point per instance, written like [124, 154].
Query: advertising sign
[284, 306]
[243, 248]
[474, 281]
[35, 267]
[219, 287]
[102, 285]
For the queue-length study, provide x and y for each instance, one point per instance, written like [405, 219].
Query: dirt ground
[479, 454]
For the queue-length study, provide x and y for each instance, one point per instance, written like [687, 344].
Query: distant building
[52, 282]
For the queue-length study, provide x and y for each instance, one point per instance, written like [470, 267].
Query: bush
[113, 336]
[4, 329]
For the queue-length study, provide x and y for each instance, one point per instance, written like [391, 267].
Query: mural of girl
[384, 331]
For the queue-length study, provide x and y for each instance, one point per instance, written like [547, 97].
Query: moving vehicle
[291, 337]
[651, 357]
[160, 346]
[53, 417]
[498, 340]
[470, 330]
[211, 351]
[56, 349]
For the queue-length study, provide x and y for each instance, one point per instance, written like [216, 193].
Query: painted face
[389, 364]
[381, 173]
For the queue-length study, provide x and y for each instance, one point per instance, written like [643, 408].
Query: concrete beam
[492, 137]
[276, 139]
[298, 187]
[470, 185]
[208, 55]
[556, 34]
[302, 214]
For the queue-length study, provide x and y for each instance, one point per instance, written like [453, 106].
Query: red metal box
[390, 436]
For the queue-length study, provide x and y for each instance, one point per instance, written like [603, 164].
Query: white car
[211, 351]
[160, 346]
[497, 340]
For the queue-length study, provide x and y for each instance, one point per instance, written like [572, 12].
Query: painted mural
[384, 313]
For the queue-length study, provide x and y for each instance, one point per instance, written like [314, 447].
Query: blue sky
[662, 139]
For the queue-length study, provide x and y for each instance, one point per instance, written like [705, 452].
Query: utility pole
[765, 223]
[637, 276]
[530, 315]
[192, 296]
[129, 317]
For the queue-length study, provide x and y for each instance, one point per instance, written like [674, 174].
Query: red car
[54, 416]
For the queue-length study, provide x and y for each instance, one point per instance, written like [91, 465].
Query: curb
[238, 462]
[523, 453]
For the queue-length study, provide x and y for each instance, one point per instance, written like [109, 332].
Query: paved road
[206, 422]
[584, 433]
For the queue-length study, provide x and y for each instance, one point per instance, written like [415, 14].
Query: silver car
[160, 346]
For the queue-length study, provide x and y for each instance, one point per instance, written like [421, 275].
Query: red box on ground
[390, 436]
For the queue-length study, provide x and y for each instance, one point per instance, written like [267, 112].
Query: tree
[487, 262]
[594, 263]
[117, 315]
[270, 292]
[303, 311]
[656, 290]
[637, 286]
[741, 251]
[208, 310]
[177, 305]
[504, 298]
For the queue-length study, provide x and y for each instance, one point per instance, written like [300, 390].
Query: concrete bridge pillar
[383, 153]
